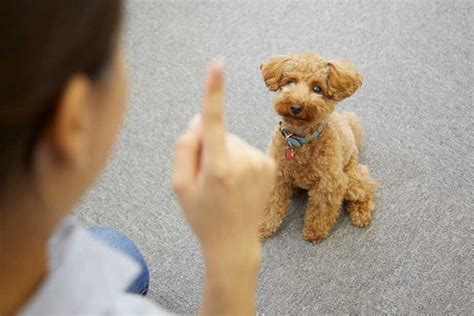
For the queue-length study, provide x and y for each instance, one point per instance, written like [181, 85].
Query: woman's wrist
[232, 255]
[232, 265]
[231, 280]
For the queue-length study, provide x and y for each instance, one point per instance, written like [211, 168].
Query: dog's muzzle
[296, 109]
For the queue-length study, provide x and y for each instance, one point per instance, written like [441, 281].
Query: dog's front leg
[324, 207]
[277, 206]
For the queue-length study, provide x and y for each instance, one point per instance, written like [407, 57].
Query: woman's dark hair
[42, 44]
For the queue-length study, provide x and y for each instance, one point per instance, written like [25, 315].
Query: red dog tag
[290, 153]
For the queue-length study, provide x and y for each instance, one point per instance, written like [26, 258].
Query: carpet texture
[416, 108]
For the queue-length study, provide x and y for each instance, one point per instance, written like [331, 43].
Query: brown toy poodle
[316, 148]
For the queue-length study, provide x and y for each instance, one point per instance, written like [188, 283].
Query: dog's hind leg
[360, 194]
[277, 207]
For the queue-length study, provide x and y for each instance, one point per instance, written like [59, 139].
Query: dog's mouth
[300, 115]
[295, 119]
[294, 112]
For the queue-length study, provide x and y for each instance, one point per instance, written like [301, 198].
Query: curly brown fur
[328, 167]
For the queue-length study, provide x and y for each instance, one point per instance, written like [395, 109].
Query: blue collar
[298, 141]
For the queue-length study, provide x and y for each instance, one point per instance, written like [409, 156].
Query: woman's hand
[222, 184]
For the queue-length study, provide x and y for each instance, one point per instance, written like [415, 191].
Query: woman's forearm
[230, 284]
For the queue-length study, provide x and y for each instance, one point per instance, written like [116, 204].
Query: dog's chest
[303, 168]
[308, 164]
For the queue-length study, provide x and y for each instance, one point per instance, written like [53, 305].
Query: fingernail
[217, 68]
[219, 61]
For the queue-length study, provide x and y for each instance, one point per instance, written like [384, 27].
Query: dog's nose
[296, 109]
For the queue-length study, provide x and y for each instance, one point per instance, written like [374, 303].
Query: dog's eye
[317, 89]
[289, 82]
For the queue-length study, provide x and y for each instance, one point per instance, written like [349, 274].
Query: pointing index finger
[213, 114]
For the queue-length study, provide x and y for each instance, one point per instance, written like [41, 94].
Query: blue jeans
[121, 242]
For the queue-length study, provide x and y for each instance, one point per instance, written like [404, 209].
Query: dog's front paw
[269, 225]
[264, 232]
[314, 236]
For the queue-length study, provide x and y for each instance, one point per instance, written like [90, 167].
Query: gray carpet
[416, 106]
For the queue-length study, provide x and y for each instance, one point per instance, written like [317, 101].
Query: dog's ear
[343, 79]
[272, 71]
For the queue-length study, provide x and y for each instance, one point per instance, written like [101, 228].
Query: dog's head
[308, 86]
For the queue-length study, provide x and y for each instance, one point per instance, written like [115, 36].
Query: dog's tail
[354, 123]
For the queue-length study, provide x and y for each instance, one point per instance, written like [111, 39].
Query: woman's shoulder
[86, 277]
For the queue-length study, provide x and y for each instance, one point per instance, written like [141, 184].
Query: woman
[62, 97]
